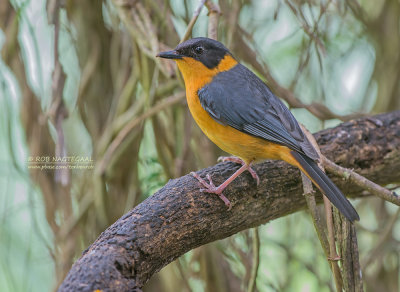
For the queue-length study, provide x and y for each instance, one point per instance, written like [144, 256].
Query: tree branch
[179, 218]
[362, 182]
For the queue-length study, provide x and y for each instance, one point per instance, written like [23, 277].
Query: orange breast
[247, 147]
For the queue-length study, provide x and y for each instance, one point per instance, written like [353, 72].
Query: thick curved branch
[179, 218]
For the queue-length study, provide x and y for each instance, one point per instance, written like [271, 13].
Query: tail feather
[322, 181]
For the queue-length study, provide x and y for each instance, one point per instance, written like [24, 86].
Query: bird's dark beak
[170, 55]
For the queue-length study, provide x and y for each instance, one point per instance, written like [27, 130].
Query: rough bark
[348, 250]
[179, 218]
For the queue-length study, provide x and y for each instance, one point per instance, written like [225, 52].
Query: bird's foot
[237, 160]
[212, 189]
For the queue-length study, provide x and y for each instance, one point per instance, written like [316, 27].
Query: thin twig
[189, 28]
[383, 239]
[138, 23]
[183, 275]
[57, 111]
[333, 256]
[256, 260]
[312, 33]
[312, 206]
[132, 124]
[320, 229]
[361, 181]
[213, 14]
[319, 110]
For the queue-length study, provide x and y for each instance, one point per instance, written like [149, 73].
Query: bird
[239, 113]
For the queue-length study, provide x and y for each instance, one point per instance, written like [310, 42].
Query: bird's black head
[208, 51]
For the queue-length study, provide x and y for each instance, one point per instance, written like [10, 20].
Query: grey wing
[238, 98]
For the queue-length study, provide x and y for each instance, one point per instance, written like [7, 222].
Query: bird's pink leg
[211, 188]
[240, 161]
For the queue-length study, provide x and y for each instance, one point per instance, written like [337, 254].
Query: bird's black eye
[199, 50]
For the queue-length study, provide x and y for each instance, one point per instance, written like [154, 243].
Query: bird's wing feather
[238, 98]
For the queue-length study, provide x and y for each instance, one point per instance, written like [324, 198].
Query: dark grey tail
[322, 181]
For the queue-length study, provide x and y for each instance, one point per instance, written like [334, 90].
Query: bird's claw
[211, 188]
[226, 201]
[210, 181]
[254, 175]
[202, 181]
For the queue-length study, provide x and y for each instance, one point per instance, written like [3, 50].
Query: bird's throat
[196, 74]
